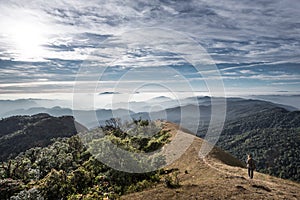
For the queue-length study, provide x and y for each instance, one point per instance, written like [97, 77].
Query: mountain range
[66, 169]
[157, 108]
[269, 131]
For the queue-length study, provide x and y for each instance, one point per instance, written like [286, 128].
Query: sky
[141, 47]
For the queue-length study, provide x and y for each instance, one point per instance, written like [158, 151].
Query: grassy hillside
[272, 136]
[218, 176]
[276, 150]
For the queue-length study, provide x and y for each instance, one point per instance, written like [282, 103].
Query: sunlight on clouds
[28, 39]
[247, 40]
[25, 33]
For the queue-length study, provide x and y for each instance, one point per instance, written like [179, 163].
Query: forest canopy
[67, 170]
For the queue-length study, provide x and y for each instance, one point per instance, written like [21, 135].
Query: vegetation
[19, 133]
[276, 151]
[272, 136]
[67, 170]
[172, 180]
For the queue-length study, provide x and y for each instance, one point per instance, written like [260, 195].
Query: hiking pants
[250, 173]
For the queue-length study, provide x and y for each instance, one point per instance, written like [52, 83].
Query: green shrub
[172, 180]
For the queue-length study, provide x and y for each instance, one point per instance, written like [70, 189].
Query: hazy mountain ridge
[10, 107]
[292, 101]
[157, 108]
[245, 118]
[236, 108]
[85, 117]
[54, 111]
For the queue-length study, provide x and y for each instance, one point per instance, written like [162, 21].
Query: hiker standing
[250, 166]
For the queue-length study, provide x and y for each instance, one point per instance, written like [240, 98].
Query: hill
[20, 133]
[8, 105]
[159, 108]
[236, 108]
[54, 111]
[84, 117]
[292, 101]
[265, 129]
[66, 170]
[272, 136]
[218, 176]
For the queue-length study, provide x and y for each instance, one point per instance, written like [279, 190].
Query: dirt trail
[284, 189]
[217, 176]
[256, 182]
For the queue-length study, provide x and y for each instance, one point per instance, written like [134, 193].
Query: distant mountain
[19, 133]
[159, 99]
[54, 111]
[85, 117]
[157, 108]
[236, 108]
[92, 119]
[135, 106]
[154, 104]
[8, 105]
[289, 102]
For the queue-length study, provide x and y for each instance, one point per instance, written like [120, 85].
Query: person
[250, 166]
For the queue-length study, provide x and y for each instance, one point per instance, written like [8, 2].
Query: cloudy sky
[124, 45]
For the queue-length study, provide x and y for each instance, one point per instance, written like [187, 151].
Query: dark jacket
[251, 163]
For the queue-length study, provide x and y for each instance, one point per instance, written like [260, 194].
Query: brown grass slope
[218, 176]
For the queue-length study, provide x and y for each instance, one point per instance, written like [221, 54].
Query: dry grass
[211, 178]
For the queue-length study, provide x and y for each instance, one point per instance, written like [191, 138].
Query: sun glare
[28, 39]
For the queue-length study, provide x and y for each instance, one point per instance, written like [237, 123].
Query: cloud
[257, 40]
[296, 83]
[106, 93]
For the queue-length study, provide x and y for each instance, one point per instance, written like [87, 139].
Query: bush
[172, 181]
[8, 187]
